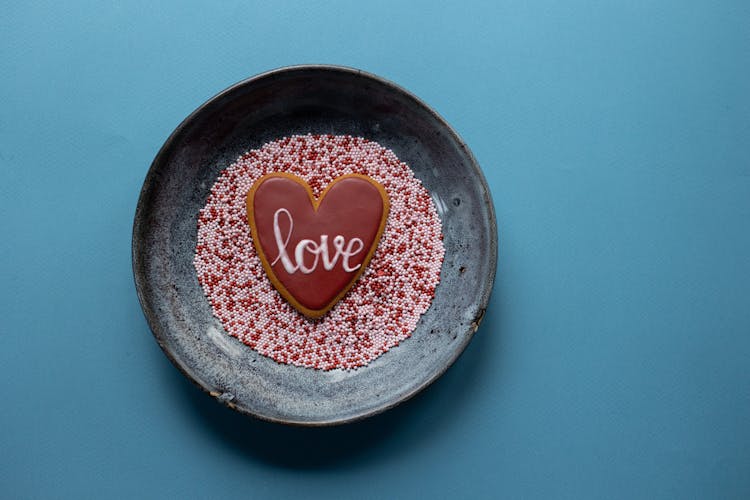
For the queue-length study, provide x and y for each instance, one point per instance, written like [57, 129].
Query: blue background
[613, 361]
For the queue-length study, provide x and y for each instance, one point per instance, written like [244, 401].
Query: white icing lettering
[299, 255]
[350, 253]
[320, 251]
[281, 245]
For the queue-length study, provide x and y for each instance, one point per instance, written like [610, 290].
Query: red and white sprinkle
[384, 305]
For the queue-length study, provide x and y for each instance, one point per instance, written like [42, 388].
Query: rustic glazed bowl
[301, 100]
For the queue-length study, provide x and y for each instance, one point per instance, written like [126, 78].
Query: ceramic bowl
[301, 100]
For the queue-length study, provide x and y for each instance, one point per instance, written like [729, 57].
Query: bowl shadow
[433, 411]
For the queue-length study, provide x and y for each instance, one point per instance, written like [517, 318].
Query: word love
[314, 249]
[319, 250]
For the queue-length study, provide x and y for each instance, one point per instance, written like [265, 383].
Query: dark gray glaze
[301, 100]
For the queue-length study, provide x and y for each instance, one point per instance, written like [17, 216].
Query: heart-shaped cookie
[314, 250]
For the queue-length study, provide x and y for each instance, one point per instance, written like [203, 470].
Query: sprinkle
[383, 307]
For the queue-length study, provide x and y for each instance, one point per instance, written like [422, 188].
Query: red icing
[352, 207]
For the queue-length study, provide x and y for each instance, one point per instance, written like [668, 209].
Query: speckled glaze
[301, 100]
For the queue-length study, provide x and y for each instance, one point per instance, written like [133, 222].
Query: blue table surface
[614, 358]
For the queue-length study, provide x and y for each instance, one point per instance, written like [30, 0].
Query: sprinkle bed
[384, 305]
